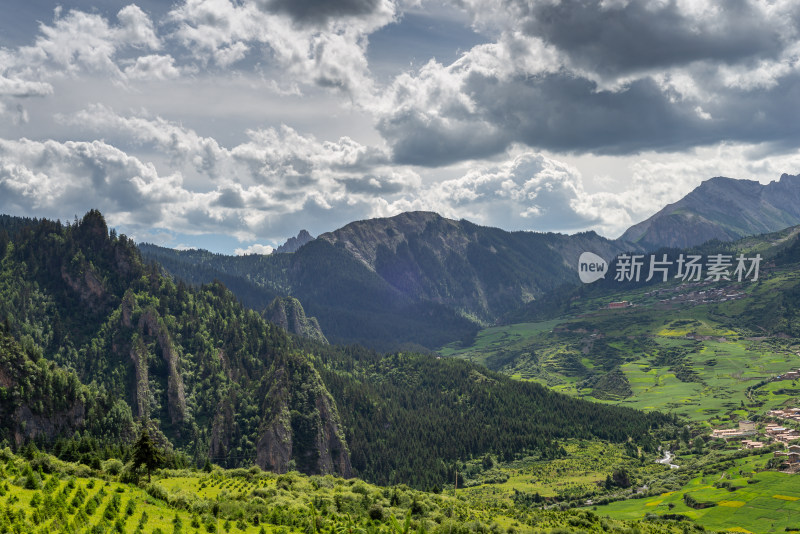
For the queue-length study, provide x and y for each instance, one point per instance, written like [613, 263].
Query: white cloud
[264, 188]
[136, 29]
[254, 249]
[530, 191]
[331, 53]
[152, 67]
[81, 43]
[23, 88]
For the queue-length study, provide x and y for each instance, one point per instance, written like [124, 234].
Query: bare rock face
[138, 356]
[150, 327]
[33, 425]
[85, 283]
[302, 425]
[334, 456]
[288, 313]
[176, 396]
[294, 243]
[222, 429]
[274, 448]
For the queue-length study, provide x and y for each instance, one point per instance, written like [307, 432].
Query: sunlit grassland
[586, 465]
[725, 362]
[491, 339]
[75, 499]
[749, 499]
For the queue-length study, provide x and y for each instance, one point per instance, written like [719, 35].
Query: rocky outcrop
[32, 425]
[84, 282]
[302, 425]
[150, 325]
[222, 428]
[334, 456]
[274, 447]
[294, 243]
[141, 393]
[288, 313]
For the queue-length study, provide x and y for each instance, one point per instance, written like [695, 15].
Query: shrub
[376, 512]
[112, 467]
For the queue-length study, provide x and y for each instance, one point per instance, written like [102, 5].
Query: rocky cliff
[288, 313]
[294, 243]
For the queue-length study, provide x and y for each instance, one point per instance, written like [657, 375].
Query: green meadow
[741, 498]
[683, 360]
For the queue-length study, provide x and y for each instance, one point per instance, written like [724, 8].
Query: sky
[230, 125]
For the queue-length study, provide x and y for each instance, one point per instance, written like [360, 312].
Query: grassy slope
[724, 348]
[725, 357]
[755, 501]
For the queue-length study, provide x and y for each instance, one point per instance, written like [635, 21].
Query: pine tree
[145, 453]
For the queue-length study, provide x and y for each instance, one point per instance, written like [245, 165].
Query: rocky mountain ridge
[721, 208]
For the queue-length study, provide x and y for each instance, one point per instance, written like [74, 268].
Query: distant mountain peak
[294, 243]
[721, 208]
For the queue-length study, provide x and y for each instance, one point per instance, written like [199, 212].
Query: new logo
[591, 267]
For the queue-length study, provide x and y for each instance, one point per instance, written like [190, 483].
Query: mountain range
[418, 280]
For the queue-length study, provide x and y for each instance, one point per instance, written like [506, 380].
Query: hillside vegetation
[117, 346]
[42, 494]
[703, 350]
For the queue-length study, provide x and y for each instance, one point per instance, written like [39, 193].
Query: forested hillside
[122, 346]
[216, 379]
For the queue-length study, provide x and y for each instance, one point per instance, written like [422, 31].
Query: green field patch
[768, 504]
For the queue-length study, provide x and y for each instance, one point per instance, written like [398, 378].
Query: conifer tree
[145, 453]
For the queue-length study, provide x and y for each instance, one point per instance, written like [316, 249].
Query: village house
[746, 428]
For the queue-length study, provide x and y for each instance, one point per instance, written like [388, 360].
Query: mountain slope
[192, 362]
[414, 278]
[724, 209]
[699, 348]
[121, 346]
[478, 270]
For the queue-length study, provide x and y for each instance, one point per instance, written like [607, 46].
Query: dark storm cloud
[563, 113]
[373, 185]
[558, 112]
[639, 35]
[320, 11]
[229, 198]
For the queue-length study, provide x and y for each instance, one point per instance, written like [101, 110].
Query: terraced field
[73, 498]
